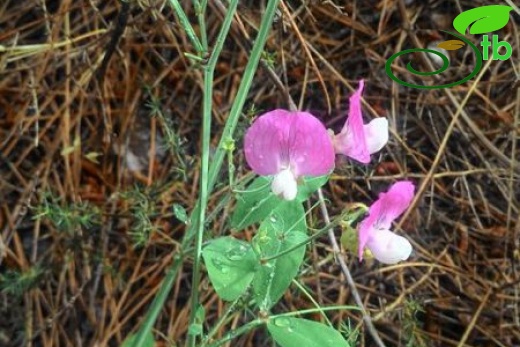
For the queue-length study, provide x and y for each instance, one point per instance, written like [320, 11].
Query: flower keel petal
[376, 134]
[285, 185]
[388, 247]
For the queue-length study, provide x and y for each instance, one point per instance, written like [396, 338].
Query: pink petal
[394, 202]
[351, 140]
[387, 247]
[385, 210]
[264, 143]
[376, 134]
[282, 139]
[310, 146]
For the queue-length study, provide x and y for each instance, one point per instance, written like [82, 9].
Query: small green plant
[172, 140]
[411, 324]
[269, 58]
[16, 283]
[143, 210]
[67, 217]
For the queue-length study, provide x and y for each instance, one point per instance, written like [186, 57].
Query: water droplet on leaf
[219, 264]
[236, 253]
[283, 322]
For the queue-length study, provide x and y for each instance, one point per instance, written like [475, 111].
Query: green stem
[315, 310]
[243, 89]
[309, 296]
[237, 332]
[216, 165]
[158, 302]
[200, 10]
[207, 106]
[311, 238]
[354, 212]
[238, 104]
[222, 320]
[188, 28]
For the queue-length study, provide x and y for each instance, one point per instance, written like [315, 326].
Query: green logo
[479, 20]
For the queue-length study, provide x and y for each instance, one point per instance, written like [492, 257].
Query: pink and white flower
[288, 145]
[357, 140]
[374, 230]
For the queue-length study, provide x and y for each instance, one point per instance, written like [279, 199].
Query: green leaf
[309, 186]
[485, 18]
[298, 332]
[195, 329]
[148, 341]
[281, 231]
[180, 213]
[254, 204]
[231, 265]
[258, 201]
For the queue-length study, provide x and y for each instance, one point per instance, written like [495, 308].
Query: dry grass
[65, 127]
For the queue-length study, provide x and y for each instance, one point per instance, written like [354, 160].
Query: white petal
[376, 134]
[285, 185]
[388, 247]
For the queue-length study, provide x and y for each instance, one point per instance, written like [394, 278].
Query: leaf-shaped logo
[486, 19]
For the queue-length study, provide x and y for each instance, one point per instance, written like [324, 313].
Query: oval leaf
[309, 186]
[486, 19]
[284, 229]
[254, 204]
[231, 265]
[298, 332]
[451, 45]
[180, 213]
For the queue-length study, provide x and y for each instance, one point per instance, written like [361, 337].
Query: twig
[471, 324]
[117, 32]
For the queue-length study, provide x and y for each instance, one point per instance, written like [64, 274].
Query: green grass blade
[207, 107]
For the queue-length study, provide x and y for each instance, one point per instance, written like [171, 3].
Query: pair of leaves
[258, 201]
[233, 265]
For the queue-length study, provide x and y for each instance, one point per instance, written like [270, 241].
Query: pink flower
[358, 140]
[288, 145]
[374, 231]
